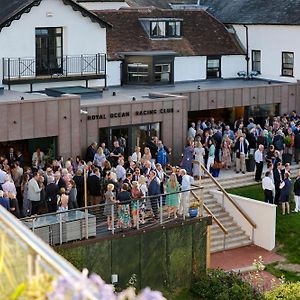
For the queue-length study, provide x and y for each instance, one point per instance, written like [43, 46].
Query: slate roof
[11, 10]
[202, 33]
[276, 12]
[280, 12]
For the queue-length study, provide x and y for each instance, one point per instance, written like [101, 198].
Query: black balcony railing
[68, 66]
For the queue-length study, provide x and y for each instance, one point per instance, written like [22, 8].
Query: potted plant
[193, 210]
[250, 163]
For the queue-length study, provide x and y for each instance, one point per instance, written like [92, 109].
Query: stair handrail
[221, 226]
[243, 213]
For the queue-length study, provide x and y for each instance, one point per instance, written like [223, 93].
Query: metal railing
[103, 220]
[65, 66]
[23, 256]
[228, 197]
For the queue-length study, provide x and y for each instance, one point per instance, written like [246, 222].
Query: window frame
[166, 29]
[256, 61]
[284, 63]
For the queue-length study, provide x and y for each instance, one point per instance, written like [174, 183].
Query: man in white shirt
[186, 182]
[259, 161]
[34, 193]
[192, 131]
[120, 170]
[269, 188]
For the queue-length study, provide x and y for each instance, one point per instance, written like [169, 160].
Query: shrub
[287, 291]
[219, 285]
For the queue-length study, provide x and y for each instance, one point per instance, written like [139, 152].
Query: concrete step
[218, 234]
[231, 245]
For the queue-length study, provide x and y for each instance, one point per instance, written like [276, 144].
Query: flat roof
[141, 93]
[6, 95]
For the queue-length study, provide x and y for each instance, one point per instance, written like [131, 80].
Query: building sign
[127, 114]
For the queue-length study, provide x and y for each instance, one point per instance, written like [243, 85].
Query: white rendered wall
[103, 5]
[114, 73]
[189, 68]
[18, 40]
[232, 64]
[272, 40]
[261, 213]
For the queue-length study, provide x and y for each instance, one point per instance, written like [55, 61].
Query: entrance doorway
[134, 135]
[230, 115]
[48, 145]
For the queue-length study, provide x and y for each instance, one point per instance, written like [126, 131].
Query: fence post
[138, 214]
[19, 59]
[60, 228]
[66, 65]
[86, 219]
[112, 219]
[160, 209]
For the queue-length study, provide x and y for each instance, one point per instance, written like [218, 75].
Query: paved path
[242, 258]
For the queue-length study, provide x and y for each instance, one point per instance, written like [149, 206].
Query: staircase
[236, 237]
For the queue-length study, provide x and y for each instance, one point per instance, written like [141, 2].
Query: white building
[270, 28]
[165, 46]
[48, 43]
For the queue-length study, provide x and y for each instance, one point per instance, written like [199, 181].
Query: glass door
[49, 51]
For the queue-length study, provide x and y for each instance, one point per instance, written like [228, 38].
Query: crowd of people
[275, 143]
[121, 184]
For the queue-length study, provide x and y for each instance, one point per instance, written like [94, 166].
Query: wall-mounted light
[133, 99]
[212, 100]
[199, 87]
[114, 93]
[65, 117]
[15, 122]
[83, 112]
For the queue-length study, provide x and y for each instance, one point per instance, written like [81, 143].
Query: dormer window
[165, 29]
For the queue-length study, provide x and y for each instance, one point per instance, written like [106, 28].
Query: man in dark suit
[20, 159]
[59, 181]
[297, 144]
[137, 174]
[94, 187]
[217, 136]
[90, 152]
[154, 189]
[11, 156]
[278, 175]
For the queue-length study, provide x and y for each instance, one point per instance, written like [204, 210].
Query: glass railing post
[138, 215]
[86, 218]
[112, 219]
[60, 228]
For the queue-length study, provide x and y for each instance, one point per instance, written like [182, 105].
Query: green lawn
[287, 230]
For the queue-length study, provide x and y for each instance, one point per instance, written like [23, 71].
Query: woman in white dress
[199, 153]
